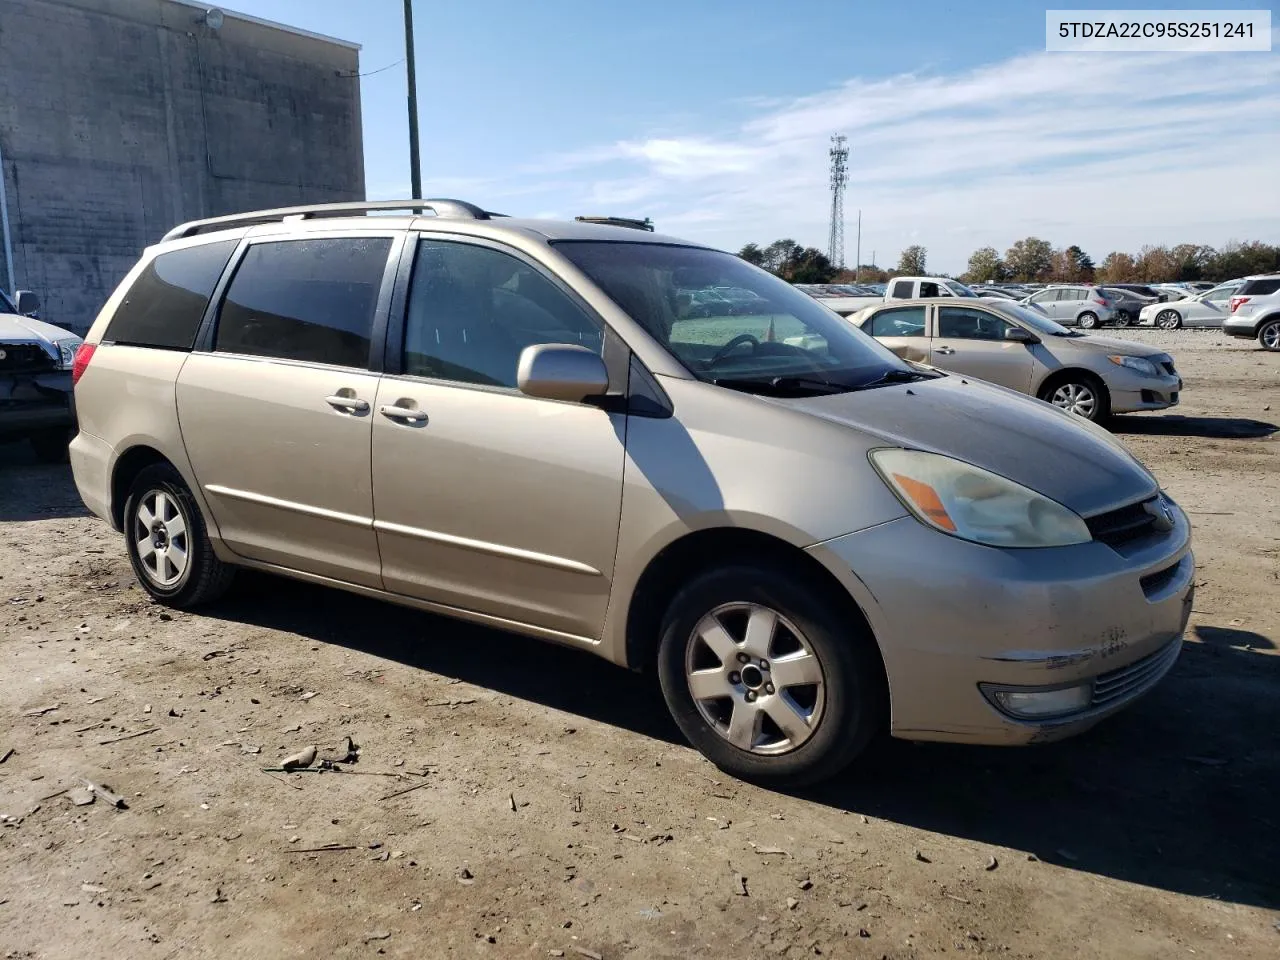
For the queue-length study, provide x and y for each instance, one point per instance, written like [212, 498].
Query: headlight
[67, 352]
[973, 504]
[1138, 364]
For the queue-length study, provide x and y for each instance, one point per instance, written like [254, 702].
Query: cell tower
[839, 154]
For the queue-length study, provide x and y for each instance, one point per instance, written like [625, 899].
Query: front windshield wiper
[896, 376]
[783, 386]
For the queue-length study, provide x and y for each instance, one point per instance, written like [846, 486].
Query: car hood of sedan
[1128, 348]
[1057, 454]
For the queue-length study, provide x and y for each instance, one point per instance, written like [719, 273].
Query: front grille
[1137, 677]
[1153, 583]
[1123, 524]
[24, 358]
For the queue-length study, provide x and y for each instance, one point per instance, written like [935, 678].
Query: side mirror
[1019, 335]
[561, 371]
[28, 303]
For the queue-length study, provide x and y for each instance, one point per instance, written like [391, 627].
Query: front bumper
[951, 617]
[33, 403]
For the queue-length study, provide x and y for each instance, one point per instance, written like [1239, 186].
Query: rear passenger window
[309, 300]
[164, 306]
[1260, 288]
[472, 310]
[902, 290]
[901, 322]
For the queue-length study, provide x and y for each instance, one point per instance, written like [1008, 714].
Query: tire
[1168, 320]
[1124, 318]
[174, 576]
[51, 445]
[1269, 335]
[1079, 393]
[1088, 320]
[831, 721]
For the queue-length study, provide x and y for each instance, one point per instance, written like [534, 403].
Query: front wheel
[768, 677]
[1168, 320]
[1124, 318]
[167, 541]
[1081, 395]
[1088, 320]
[1269, 335]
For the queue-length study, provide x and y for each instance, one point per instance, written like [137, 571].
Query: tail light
[84, 353]
[1101, 302]
[1236, 301]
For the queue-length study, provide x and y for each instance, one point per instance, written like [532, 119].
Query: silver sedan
[1206, 309]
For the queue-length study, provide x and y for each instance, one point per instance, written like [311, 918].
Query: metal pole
[415, 164]
[857, 260]
[4, 223]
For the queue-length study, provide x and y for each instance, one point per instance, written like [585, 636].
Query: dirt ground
[559, 812]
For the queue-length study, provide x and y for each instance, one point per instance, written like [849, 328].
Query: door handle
[403, 414]
[944, 350]
[349, 404]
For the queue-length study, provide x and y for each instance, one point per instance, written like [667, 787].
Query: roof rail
[441, 208]
[645, 224]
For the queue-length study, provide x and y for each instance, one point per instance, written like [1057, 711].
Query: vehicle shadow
[33, 490]
[1176, 425]
[1177, 792]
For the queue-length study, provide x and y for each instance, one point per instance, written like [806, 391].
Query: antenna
[839, 154]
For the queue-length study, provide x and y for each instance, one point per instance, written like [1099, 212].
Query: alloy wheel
[1088, 320]
[1269, 335]
[1077, 398]
[755, 678]
[1168, 320]
[160, 536]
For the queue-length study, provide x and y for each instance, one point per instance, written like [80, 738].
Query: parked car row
[808, 538]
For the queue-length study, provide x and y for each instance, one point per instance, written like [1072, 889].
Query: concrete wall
[121, 118]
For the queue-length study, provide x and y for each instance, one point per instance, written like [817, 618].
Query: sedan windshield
[777, 340]
[1035, 320]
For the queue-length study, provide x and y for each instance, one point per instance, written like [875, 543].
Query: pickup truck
[915, 288]
[35, 379]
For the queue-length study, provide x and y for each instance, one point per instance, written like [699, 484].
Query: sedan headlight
[1137, 364]
[67, 352]
[973, 504]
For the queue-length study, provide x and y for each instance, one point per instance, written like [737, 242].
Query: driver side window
[966, 324]
[473, 309]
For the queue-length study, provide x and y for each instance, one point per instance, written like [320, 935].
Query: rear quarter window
[164, 306]
[1259, 288]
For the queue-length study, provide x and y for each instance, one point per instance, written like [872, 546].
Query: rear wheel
[1168, 320]
[1269, 335]
[168, 543]
[768, 677]
[1088, 320]
[1079, 394]
[50, 445]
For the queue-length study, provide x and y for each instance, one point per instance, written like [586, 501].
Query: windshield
[959, 289]
[1035, 320]
[776, 333]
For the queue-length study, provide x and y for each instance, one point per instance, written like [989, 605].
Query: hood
[15, 327]
[1055, 453]
[1128, 348]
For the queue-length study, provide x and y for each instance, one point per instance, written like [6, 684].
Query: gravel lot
[559, 813]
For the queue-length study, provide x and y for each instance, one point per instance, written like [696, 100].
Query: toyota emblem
[1161, 511]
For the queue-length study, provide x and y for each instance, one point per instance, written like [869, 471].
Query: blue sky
[713, 118]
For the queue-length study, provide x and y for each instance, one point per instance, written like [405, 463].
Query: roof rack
[441, 208]
[645, 224]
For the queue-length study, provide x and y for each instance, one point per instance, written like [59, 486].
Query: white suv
[1255, 311]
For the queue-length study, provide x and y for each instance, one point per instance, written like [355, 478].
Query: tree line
[1034, 260]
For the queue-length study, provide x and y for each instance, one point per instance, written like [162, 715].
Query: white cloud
[1109, 151]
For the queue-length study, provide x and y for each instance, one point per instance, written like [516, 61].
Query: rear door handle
[349, 404]
[944, 350]
[403, 414]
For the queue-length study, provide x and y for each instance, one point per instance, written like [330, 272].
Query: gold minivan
[544, 427]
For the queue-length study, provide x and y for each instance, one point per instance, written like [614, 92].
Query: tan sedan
[1015, 347]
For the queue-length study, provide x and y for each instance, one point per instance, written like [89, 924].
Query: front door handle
[403, 414]
[944, 350]
[349, 404]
